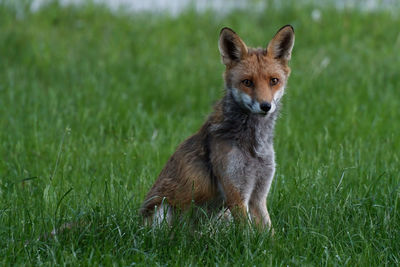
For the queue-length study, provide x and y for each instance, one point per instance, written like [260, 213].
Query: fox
[229, 163]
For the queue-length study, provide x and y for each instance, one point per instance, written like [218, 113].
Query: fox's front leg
[258, 200]
[234, 200]
[229, 169]
[259, 214]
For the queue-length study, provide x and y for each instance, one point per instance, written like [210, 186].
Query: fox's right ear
[280, 47]
[231, 47]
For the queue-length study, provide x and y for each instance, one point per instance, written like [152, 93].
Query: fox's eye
[274, 81]
[247, 83]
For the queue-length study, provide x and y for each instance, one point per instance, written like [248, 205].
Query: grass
[92, 104]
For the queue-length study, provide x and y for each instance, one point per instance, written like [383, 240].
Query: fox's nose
[265, 106]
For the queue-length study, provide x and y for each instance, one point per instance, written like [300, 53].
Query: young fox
[230, 161]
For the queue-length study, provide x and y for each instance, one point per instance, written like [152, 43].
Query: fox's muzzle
[265, 106]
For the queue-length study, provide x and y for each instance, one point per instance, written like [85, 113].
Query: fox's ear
[280, 47]
[231, 47]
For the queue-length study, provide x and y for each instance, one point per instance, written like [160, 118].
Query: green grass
[92, 103]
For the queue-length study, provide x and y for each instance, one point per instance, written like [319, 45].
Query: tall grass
[92, 103]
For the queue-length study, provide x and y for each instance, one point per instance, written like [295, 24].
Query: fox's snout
[265, 106]
[251, 104]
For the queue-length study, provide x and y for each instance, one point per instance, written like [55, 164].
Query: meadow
[93, 102]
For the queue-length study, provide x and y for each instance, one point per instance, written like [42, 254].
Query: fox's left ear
[280, 47]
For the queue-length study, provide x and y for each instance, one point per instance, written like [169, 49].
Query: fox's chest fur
[230, 161]
[248, 157]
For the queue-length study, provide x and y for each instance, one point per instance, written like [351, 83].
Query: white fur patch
[161, 214]
[273, 107]
[277, 97]
[241, 97]
[246, 101]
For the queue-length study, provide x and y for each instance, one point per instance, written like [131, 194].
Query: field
[93, 102]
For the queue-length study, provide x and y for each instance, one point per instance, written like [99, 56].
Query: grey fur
[251, 161]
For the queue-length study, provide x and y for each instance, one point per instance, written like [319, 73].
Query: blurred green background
[94, 99]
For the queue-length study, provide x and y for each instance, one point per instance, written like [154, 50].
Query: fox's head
[256, 77]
